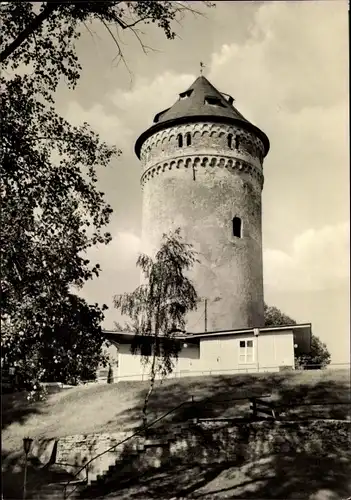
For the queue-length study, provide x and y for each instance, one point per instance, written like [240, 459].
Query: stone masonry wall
[255, 440]
[214, 443]
[75, 451]
[163, 145]
[200, 188]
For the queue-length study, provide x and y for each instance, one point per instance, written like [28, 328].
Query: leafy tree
[157, 308]
[319, 357]
[68, 350]
[127, 327]
[31, 31]
[274, 317]
[52, 211]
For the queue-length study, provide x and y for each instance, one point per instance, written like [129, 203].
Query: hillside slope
[115, 407]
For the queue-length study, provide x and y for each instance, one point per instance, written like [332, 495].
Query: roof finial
[202, 66]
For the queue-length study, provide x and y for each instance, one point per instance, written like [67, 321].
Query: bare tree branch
[89, 31]
[120, 53]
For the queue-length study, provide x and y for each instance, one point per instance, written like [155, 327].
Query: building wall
[276, 349]
[270, 350]
[219, 355]
[130, 365]
[200, 188]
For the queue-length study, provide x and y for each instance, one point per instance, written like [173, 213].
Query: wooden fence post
[254, 408]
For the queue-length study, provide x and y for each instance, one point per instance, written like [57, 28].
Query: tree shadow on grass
[224, 397]
[282, 475]
[297, 476]
[16, 408]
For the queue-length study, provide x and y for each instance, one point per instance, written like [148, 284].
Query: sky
[286, 65]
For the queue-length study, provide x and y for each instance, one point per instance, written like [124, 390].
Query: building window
[230, 140]
[145, 349]
[237, 142]
[186, 94]
[188, 139]
[246, 351]
[237, 227]
[227, 97]
[214, 101]
[180, 140]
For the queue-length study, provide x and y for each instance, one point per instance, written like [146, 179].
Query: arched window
[180, 140]
[230, 140]
[188, 139]
[236, 142]
[237, 227]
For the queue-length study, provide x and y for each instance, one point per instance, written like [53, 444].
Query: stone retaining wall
[206, 443]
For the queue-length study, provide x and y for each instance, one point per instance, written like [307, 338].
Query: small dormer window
[180, 140]
[228, 98]
[214, 101]
[186, 94]
[188, 139]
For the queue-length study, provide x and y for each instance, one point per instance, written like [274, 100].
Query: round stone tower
[203, 172]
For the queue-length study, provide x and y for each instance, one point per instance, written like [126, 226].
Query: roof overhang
[127, 337]
[302, 335]
[201, 118]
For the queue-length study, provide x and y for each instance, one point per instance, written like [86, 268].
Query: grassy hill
[116, 407]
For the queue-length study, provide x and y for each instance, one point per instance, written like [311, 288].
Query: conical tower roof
[200, 102]
[196, 101]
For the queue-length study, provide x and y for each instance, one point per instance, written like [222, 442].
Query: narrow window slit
[230, 140]
[237, 227]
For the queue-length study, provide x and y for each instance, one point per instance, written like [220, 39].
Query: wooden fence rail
[258, 406]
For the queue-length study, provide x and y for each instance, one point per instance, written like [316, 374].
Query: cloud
[109, 125]
[294, 86]
[130, 112]
[289, 77]
[119, 254]
[148, 96]
[318, 259]
[298, 71]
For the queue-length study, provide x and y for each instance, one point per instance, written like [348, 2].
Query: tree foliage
[52, 210]
[28, 30]
[319, 357]
[126, 327]
[67, 349]
[157, 308]
[274, 317]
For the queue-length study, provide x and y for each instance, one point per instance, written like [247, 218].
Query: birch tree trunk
[151, 387]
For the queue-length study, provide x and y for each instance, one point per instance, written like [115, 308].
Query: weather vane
[201, 67]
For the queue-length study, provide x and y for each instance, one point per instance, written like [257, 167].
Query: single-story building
[265, 349]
